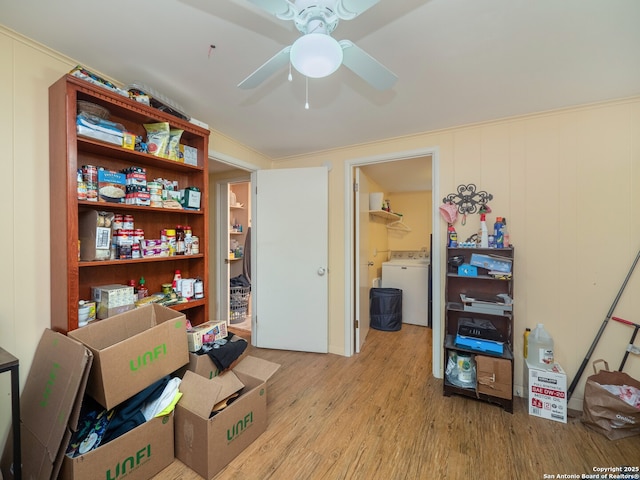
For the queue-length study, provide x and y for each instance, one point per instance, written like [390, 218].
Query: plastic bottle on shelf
[143, 291]
[180, 247]
[525, 348]
[484, 233]
[540, 348]
[506, 240]
[188, 240]
[498, 232]
[452, 237]
[195, 245]
[177, 280]
[132, 283]
[198, 288]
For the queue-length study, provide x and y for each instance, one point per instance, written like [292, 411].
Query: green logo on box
[148, 357]
[50, 383]
[240, 426]
[130, 463]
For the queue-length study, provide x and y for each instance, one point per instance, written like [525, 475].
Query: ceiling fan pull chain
[306, 105]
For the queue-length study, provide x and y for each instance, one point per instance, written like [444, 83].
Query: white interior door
[362, 259]
[290, 269]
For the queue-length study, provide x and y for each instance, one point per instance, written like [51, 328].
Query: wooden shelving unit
[498, 387]
[71, 278]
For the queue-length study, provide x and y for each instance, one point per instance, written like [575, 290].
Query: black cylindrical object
[385, 309]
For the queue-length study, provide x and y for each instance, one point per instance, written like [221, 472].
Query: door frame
[221, 233]
[222, 242]
[349, 223]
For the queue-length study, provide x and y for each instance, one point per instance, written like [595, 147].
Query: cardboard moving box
[132, 350]
[203, 365]
[494, 376]
[50, 405]
[206, 444]
[138, 454]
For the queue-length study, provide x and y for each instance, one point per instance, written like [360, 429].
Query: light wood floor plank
[381, 415]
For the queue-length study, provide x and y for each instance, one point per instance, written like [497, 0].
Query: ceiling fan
[316, 54]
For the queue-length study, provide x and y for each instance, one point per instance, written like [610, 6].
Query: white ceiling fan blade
[271, 66]
[367, 67]
[282, 9]
[348, 9]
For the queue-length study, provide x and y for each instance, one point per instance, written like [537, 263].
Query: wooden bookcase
[71, 278]
[494, 372]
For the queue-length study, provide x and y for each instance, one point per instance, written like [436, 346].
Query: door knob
[321, 271]
[370, 264]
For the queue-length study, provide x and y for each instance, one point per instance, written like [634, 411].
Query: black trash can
[385, 309]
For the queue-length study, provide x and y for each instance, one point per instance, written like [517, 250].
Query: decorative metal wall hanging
[468, 200]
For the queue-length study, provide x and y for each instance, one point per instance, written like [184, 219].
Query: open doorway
[395, 163]
[239, 255]
[230, 206]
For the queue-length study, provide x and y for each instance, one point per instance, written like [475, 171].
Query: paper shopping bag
[606, 412]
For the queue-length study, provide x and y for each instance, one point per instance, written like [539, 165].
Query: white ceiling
[458, 62]
[410, 175]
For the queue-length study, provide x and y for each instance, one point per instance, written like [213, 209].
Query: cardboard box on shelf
[190, 198]
[50, 405]
[497, 263]
[546, 391]
[494, 376]
[94, 233]
[132, 350]
[112, 300]
[111, 186]
[188, 155]
[138, 454]
[207, 444]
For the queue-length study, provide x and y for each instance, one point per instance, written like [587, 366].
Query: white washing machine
[409, 271]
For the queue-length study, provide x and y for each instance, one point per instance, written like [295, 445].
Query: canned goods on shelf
[90, 173]
[127, 222]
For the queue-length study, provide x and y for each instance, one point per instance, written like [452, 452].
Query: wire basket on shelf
[239, 304]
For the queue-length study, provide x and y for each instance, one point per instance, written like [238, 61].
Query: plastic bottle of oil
[525, 349]
[540, 348]
[452, 237]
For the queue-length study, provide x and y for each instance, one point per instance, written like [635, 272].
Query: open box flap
[229, 384]
[199, 394]
[50, 403]
[256, 367]
[54, 388]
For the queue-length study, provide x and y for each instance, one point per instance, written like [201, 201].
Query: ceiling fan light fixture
[316, 55]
